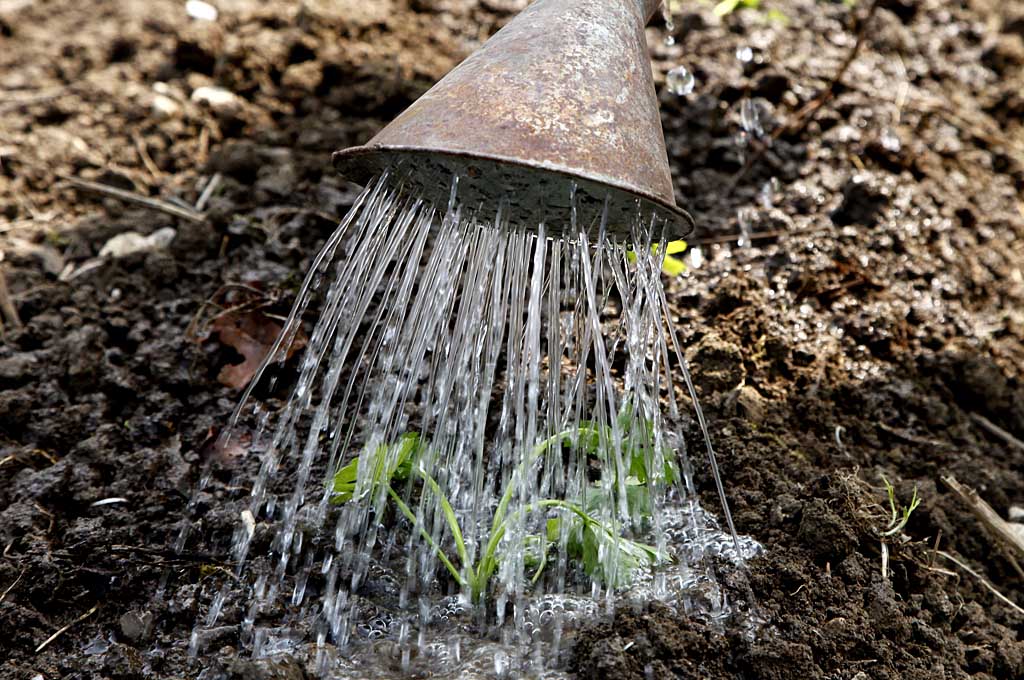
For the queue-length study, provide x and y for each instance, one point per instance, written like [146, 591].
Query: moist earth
[871, 332]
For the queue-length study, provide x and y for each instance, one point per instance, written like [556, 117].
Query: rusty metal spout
[559, 102]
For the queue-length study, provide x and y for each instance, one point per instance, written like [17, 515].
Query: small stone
[131, 242]
[750, 404]
[222, 102]
[19, 368]
[164, 107]
[203, 11]
[136, 625]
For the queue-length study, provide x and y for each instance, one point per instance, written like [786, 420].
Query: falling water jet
[467, 309]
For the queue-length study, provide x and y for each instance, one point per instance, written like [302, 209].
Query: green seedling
[585, 532]
[898, 514]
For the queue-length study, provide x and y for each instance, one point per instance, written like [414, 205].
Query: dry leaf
[252, 334]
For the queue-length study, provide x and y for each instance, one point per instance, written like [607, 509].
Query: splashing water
[745, 218]
[750, 118]
[481, 450]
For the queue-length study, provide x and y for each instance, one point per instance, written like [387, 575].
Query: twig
[208, 190]
[12, 103]
[910, 438]
[63, 630]
[10, 312]
[997, 431]
[166, 552]
[131, 197]
[1008, 539]
[753, 236]
[982, 579]
[984, 512]
[147, 160]
[935, 549]
[9, 588]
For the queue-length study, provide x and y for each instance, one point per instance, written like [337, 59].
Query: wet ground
[874, 329]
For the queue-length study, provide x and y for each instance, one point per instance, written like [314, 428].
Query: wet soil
[873, 331]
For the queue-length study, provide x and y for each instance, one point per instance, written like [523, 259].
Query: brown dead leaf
[251, 334]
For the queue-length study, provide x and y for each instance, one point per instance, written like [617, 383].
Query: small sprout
[898, 515]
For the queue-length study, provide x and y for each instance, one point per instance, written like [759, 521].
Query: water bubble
[768, 191]
[680, 81]
[890, 141]
[696, 257]
[744, 53]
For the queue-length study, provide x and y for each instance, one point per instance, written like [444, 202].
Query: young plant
[586, 533]
[899, 515]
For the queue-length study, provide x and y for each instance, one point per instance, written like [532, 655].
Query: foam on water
[503, 350]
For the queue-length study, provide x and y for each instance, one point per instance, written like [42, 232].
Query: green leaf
[726, 7]
[675, 247]
[389, 462]
[673, 266]
[449, 515]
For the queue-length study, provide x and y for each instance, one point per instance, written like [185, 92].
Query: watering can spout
[558, 103]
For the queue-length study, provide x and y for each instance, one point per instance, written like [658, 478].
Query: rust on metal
[560, 101]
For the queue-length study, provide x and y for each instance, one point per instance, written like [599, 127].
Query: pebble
[202, 11]
[164, 107]
[131, 242]
[136, 625]
[221, 101]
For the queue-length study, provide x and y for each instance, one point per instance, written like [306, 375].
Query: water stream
[484, 447]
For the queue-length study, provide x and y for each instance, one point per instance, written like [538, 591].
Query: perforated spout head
[558, 103]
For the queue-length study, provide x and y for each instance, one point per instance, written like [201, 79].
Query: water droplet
[890, 141]
[768, 190]
[670, 40]
[744, 53]
[745, 216]
[696, 257]
[680, 81]
[750, 118]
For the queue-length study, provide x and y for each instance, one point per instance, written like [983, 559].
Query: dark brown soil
[863, 340]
